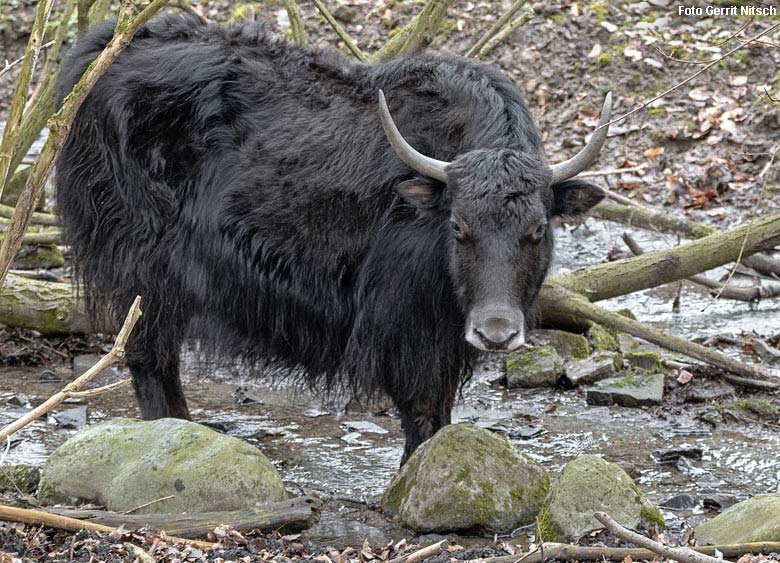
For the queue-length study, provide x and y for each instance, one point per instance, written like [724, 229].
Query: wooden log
[41, 518]
[291, 515]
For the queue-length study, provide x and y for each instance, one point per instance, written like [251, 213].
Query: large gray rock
[637, 388]
[125, 463]
[467, 477]
[587, 485]
[533, 366]
[754, 520]
[567, 344]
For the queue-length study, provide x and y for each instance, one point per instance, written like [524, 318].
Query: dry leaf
[654, 152]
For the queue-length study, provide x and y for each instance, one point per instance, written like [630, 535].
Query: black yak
[259, 196]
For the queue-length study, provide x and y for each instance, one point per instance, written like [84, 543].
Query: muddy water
[318, 447]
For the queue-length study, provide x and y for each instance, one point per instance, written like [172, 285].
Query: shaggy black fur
[245, 189]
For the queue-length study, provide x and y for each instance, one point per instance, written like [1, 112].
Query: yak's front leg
[422, 417]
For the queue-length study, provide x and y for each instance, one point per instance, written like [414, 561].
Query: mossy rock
[636, 388]
[42, 256]
[590, 484]
[125, 463]
[567, 344]
[648, 361]
[533, 366]
[19, 478]
[760, 409]
[754, 520]
[467, 478]
[601, 340]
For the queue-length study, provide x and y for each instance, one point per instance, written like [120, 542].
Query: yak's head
[500, 204]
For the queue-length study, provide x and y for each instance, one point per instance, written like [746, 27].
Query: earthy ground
[703, 147]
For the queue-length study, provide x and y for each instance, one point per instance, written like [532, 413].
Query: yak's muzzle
[496, 330]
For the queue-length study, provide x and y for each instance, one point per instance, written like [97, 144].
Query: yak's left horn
[417, 161]
[588, 155]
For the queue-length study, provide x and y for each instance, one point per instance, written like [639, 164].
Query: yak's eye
[457, 230]
[536, 234]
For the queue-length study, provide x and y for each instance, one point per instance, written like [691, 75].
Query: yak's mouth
[496, 329]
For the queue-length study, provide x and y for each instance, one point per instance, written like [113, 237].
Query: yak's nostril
[496, 333]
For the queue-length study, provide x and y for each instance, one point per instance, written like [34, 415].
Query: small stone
[681, 502]
[704, 391]
[533, 367]
[590, 484]
[590, 370]
[85, 361]
[365, 426]
[636, 389]
[719, 501]
[354, 439]
[611, 27]
[246, 396]
[648, 361]
[754, 520]
[71, 418]
[467, 478]
[567, 344]
[315, 413]
[673, 455]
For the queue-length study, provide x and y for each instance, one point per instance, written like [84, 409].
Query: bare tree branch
[348, 41]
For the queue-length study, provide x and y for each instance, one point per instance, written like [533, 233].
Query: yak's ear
[420, 192]
[573, 198]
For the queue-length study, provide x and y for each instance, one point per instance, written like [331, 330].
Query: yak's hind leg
[153, 359]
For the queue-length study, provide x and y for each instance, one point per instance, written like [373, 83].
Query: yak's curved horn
[415, 160]
[588, 155]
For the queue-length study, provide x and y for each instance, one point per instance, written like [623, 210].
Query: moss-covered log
[48, 307]
[664, 266]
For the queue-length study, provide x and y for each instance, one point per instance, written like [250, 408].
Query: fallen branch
[611, 279]
[420, 554]
[503, 20]
[634, 215]
[45, 306]
[340, 31]
[116, 353]
[291, 515]
[50, 236]
[570, 552]
[681, 554]
[41, 518]
[37, 218]
[719, 290]
[559, 303]
[60, 124]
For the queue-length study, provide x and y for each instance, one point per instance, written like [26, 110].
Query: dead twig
[611, 171]
[681, 554]
[503, 20]
[340, 31]
[41, 518]
[420, 554]
[693, 76]
[116, 353]
[8, 66]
